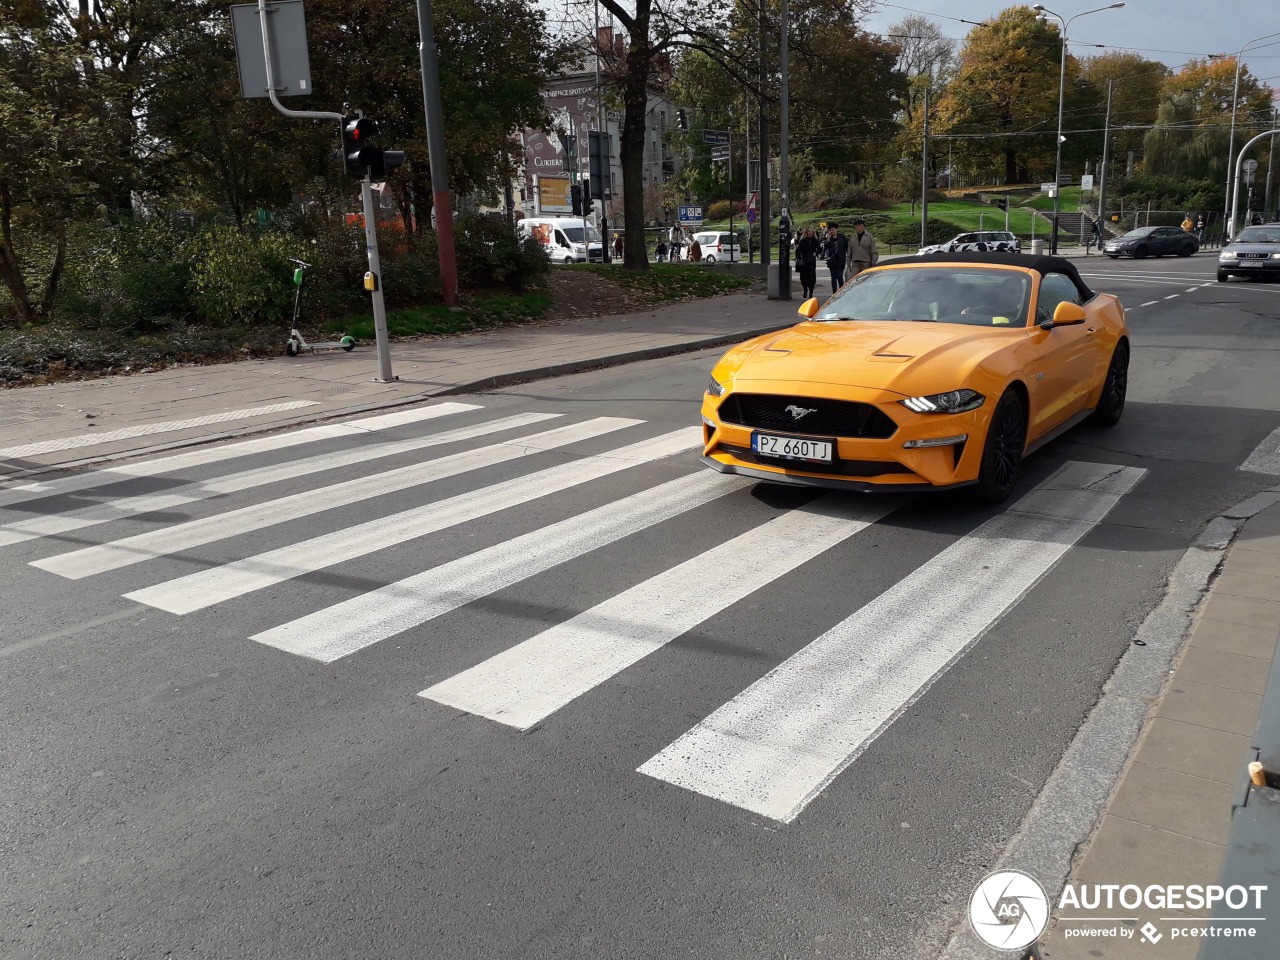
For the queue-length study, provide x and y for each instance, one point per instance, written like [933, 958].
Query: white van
[562, 238]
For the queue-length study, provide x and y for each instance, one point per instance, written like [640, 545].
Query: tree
[926, 59]
[59, 144]
[1001, 95]
[1135, 95]
[1192, 129]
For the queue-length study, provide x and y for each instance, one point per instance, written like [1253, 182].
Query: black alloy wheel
[1187, 251]
[1002, 450]
[1114, 389]
[1139, 253]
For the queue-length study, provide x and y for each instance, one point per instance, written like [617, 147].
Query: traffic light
[359, 155]
[598, 147]
[1003, 203]
[575, 199]
[682, 118]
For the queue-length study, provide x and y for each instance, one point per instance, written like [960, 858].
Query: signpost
[690, 215]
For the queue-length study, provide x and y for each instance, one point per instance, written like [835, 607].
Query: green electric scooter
[297, 342]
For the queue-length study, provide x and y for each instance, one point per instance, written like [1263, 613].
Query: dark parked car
[1152, 242]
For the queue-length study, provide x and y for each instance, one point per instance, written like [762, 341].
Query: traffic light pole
[370, 226]
[375, 271]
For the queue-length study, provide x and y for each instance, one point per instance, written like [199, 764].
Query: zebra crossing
[770, 750]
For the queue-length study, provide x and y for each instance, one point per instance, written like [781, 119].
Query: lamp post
[1228, 204]
[1062, 82]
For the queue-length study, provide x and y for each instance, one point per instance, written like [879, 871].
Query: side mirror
[1067, 314]
[809, 309]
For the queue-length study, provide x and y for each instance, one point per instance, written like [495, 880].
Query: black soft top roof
[1041, 264]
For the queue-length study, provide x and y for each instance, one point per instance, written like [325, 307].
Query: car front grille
[1251, 256]
[825, 418]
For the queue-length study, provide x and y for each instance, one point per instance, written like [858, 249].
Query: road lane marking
[169, 540]
[147, 429]
[362, 621]
[40, 489]
[778, 744]
[1192, 289]
[35, 527]
[209, 587]
[1149, 303]
[530, 681]
[1265, 457]
[1172, 296]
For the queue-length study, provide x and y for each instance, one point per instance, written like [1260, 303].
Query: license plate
[1251, 263]
[792, 448]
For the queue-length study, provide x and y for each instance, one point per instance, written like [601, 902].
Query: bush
[721, 209]
[907, 233]
[239, 276]
[490, 253]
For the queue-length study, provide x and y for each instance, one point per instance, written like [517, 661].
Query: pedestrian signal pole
[359, 158]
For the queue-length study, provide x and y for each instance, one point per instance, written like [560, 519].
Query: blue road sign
[720, 137]
[691, 214]
[752, 216]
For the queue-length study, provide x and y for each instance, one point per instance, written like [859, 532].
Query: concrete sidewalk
[62, 424]
[1169, 817]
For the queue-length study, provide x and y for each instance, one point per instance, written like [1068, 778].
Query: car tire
[1186, 251]
[1223, 276]
[1139, 253]
[710, 259]
[1002, 450]
[1114, 389]
[567, 261]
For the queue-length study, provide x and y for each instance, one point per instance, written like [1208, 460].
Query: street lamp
[1228, 205]
[1062, 81]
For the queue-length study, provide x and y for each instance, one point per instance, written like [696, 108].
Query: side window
[1054, 289]
[560, 239]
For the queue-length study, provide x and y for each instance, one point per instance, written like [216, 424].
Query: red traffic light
[359, 129]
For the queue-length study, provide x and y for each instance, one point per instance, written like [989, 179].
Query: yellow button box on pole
[371, 281]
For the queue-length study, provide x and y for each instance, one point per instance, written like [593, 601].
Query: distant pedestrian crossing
[770, 750]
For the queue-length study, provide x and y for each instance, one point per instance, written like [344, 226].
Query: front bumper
[859, 463]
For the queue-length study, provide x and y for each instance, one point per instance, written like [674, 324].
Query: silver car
[983, 241]
[1253, 252]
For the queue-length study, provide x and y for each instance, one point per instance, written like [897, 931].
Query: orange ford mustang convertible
[933, 372]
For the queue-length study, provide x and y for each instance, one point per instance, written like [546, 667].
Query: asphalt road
[257, 736]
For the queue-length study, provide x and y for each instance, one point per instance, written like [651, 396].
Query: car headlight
[1226, 255]
[953, 401]
[714, 387]
[1275, 256]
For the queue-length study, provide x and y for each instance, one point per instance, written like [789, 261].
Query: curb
[1065, 815]
[475, 386]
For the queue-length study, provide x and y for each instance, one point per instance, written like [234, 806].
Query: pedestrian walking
[617, 246]
[1200, 228]
[695, 251]
[1188, 224]
[863, 252]
[661, 250]
[835, 251]
[807, 261]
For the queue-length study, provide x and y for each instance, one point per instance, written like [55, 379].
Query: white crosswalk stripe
[169, 540]
[777, 745]
[44, 526]
[219, 453]
[347, 627]
[206, 588]
[532, 680]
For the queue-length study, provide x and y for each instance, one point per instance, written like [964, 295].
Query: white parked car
[717, 246]
[983, 241]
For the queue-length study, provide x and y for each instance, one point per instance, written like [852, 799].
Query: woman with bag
[807, 261]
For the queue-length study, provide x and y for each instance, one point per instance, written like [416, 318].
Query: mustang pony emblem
[798, 412]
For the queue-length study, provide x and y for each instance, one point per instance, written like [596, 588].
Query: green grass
[967, 215]
[485, 311]
[669, 281]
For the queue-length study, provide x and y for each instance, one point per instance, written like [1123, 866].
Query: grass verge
[669, 281]
[484, 311]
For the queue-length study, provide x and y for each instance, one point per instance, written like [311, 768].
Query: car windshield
[1140, 232]
[1259, 235]
[575, 234]
[978, 297]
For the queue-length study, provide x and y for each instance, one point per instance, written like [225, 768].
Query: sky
[1171, 31]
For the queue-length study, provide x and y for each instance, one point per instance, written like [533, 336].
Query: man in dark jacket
[836, 252]
[807, 261]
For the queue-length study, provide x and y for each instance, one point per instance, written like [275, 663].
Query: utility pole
[765, 246]
[784, 225]
[924, 176]
[1271, 162]
[751, 250]
[1102, 169]
[440, 201]
[605, 254]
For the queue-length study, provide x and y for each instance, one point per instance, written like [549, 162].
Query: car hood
[1232, 249]
[900, 356]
